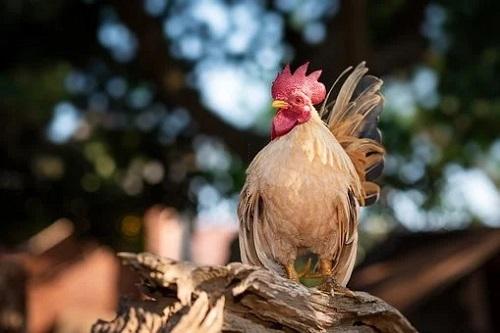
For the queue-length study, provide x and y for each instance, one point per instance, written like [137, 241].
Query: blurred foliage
[110, 107]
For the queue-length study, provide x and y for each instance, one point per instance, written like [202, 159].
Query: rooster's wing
[253, 245]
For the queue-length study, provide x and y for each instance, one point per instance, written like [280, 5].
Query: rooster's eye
[298, 100]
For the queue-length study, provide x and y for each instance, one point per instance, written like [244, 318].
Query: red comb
[286, 82]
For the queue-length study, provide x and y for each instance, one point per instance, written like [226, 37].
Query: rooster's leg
[330, 284]
[324, 272]
[291, 272]
[325, 267]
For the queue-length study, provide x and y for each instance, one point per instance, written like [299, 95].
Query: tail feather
[372, 192]
[370, 124]
[353, 119]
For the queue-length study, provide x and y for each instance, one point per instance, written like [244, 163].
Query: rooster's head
[294, 95]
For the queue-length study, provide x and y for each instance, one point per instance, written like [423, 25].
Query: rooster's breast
[301, 177]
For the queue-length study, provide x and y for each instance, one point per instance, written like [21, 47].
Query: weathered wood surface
[181, 297]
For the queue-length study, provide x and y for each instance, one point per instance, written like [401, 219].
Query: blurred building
[67, 283]
[163, 232]
[211, 245]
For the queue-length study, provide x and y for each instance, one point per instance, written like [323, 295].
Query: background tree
[111, 106]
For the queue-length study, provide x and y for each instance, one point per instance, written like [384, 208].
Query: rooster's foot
[330, 285]
[291, 272]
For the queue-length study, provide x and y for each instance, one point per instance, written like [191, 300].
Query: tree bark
[183, 297]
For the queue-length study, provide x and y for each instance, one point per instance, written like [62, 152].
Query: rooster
[304, 189]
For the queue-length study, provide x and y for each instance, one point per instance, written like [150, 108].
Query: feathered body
[304, 189]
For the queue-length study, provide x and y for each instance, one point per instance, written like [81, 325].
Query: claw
[334, 288]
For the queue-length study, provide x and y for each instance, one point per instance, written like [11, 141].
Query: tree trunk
[183, 297]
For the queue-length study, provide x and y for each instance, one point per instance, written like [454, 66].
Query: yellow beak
[278, 104]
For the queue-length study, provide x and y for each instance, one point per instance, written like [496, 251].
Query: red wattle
[285, 120]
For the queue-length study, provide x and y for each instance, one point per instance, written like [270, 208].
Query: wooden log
[183, 297]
